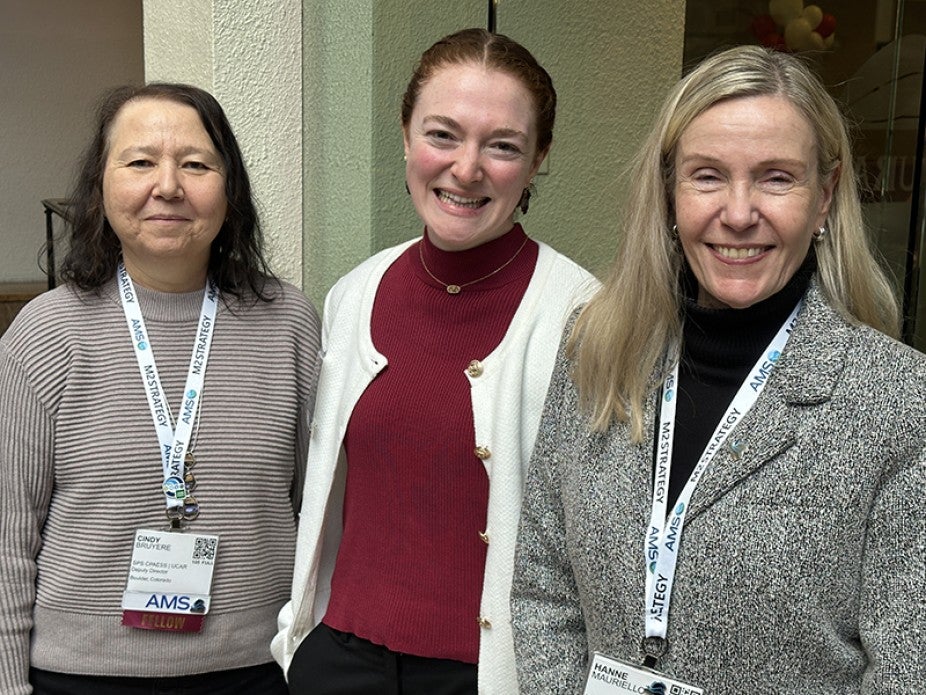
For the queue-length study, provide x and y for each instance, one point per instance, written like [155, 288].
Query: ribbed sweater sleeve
[81, 472]
[26, 480]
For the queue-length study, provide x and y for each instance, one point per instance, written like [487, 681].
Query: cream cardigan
[507, 402]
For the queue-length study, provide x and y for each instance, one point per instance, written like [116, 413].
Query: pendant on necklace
[453, 289]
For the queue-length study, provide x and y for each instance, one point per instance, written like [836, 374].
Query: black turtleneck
[719, 347]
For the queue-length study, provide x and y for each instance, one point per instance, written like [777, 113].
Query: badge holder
[607, 676]
[170, 580]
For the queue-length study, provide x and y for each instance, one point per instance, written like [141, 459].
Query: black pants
[330, 662]
[266, 679]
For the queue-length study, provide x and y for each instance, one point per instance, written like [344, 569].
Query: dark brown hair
[495, 51]
[236, 260]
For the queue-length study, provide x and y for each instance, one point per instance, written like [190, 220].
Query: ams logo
[175, 602]
[167, 602]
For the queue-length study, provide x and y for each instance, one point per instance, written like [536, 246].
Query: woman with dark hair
[236, 261]
[437, 357]
[153, 423]
[726, 494]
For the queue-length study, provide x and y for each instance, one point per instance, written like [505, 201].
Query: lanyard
[174, 443]
[665, 531]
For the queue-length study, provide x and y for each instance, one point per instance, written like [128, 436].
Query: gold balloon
[813, 14]
[783, 11]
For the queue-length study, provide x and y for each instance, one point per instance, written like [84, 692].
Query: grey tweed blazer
[801, 569]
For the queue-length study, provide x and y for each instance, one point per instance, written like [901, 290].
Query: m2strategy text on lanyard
[170, 578]
[607, 675]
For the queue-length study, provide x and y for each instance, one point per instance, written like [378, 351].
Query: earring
[675, 231]
[525, 202]
[820, 234]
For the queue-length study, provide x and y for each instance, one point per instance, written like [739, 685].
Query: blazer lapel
[810, 367]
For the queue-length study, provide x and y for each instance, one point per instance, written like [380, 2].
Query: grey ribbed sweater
[80, 471]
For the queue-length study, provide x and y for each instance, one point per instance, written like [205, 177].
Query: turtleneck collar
[730, 338]
[460, 267]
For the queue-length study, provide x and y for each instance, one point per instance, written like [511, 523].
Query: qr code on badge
[204, 548]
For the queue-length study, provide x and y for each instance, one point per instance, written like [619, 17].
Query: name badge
[170, 580]
[606, 676]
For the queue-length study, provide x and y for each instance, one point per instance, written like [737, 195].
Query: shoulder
[67, 298]
[568, 282]
[878, 346]
[287, 328]
[557, 286]
[823, 330]
[286, 305]
[49, 320]
[869, 388]
[57, 330]
[885, 377]
[869, 374]
[563, 266]
[565, 364]
[375, 264]
[295, 300]
[364, 278]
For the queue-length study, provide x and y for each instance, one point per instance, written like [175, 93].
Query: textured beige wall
[249, 56]
[258, 79]
[178, 42]
[56, 58]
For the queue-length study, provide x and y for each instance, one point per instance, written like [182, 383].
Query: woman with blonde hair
[732, 448]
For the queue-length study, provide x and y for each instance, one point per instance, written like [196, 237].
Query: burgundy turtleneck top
[410, 565]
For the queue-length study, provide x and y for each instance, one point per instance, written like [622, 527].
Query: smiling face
[748, 197]
[471, 150]
[163, 193]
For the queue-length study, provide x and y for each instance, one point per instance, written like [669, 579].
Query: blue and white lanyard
[665, 531]
[174, 443]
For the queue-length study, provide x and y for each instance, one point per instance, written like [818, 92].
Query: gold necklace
[455, 289]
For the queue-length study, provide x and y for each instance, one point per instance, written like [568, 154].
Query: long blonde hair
[619, 340]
